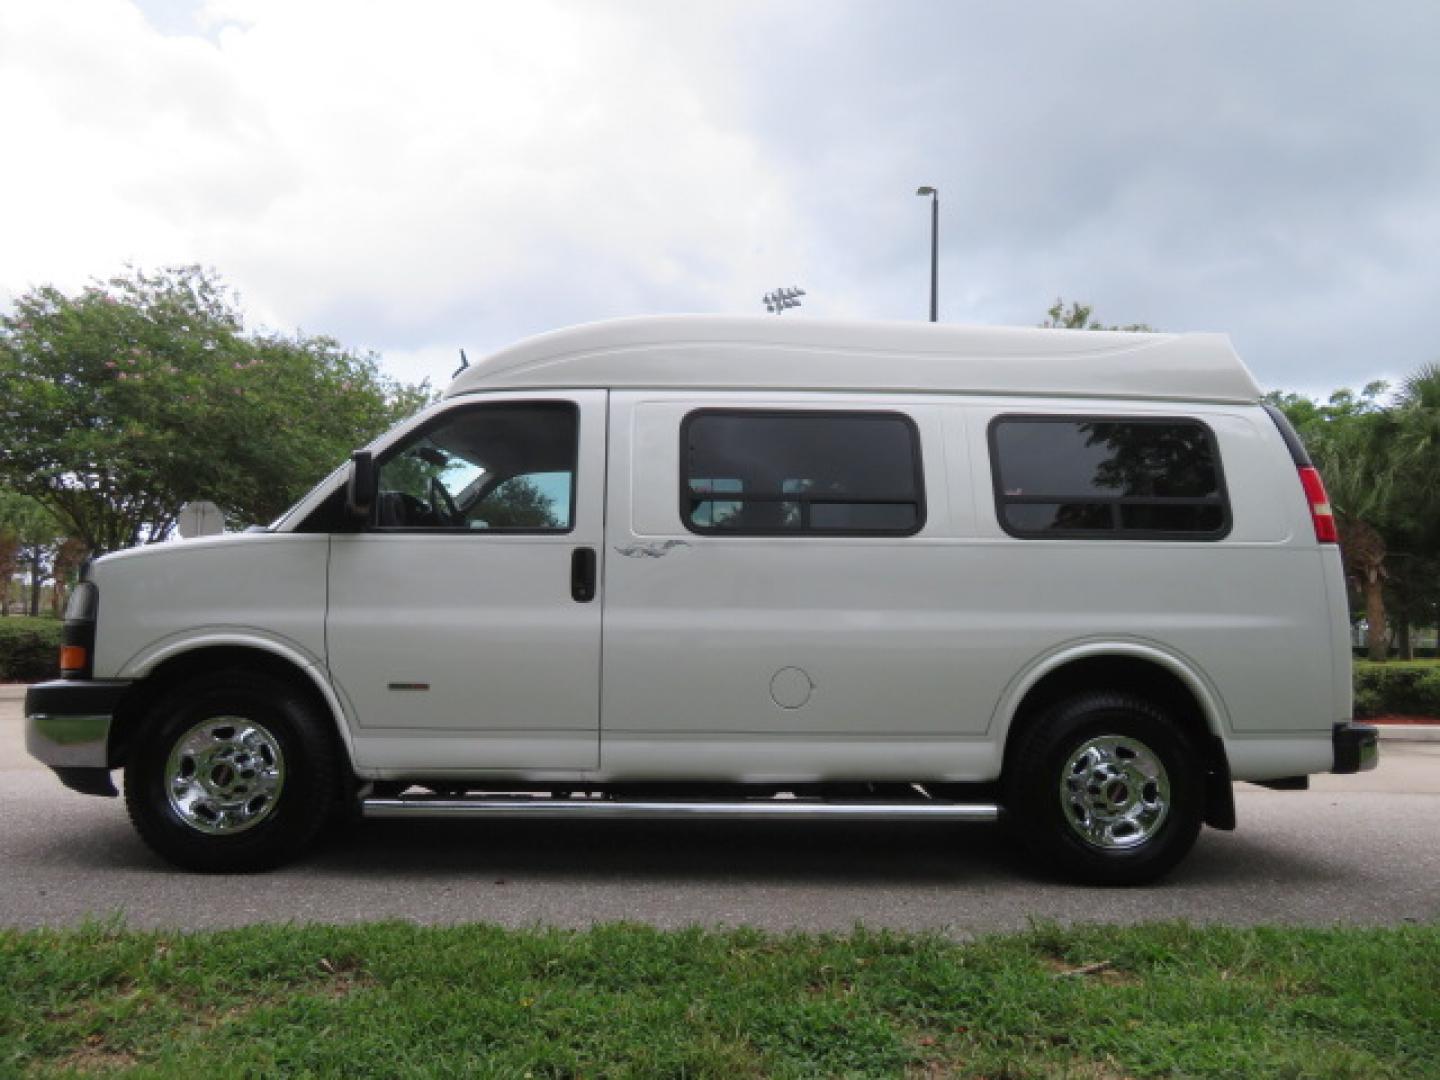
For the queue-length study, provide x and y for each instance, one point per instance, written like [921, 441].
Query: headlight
[84, 602]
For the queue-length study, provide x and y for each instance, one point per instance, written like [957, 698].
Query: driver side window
[484, 468]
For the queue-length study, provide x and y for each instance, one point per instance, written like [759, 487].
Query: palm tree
[1351, 439]
[1417, 408]
[1416, 503]
[1381, 464]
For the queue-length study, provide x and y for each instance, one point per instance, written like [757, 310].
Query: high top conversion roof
[733, 353]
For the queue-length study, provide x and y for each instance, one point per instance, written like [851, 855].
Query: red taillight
[1320, 511]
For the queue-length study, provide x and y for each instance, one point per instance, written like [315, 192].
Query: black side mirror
[361, 488]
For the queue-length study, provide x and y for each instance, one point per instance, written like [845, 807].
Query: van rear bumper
[1357, 748]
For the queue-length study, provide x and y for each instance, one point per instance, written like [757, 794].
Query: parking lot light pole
[778, 301]
[934, 250]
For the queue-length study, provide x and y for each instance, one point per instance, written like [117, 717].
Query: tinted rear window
[1102, 477]
[779, 473]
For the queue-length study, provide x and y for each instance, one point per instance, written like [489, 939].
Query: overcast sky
[415, 177]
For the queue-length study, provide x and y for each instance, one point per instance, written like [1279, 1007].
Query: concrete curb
[12, 691]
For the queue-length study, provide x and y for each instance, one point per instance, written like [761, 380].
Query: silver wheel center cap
[1114, 792]
[224, 775]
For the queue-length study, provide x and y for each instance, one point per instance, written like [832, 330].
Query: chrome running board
[430, 806]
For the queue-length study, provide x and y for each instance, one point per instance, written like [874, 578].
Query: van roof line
[754, 352]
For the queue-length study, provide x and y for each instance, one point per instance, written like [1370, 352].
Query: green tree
[1077, 317]
[133, 396]
[1412, 596]
[1417, 408]
[30, 535]
[517, 504]
[65, 564]
[9, 565]
[1414, 573]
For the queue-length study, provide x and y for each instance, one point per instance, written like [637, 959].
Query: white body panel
[466, 651]
[919, 648]
[246, 589]
[694, 638]
[778, 658]
[731, 353]
[1244, 613]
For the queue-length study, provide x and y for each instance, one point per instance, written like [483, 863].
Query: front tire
[1107, 789]
[235, 772]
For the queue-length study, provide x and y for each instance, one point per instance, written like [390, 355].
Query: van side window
[1107, 478]
[496, 468]
[756, 473]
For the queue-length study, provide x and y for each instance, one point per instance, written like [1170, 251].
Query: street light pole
[934, 250]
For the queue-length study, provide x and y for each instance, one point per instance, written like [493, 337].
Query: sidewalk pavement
[1409, 732]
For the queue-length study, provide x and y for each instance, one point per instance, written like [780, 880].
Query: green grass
[391, 999]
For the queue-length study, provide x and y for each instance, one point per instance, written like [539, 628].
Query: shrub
[1403, 688]
[29, 649]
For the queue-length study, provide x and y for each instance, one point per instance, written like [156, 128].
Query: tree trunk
[1363, 549]
[1402, 638]
[1378, 636]
[35, 579]
[65, 570]
[9, 563]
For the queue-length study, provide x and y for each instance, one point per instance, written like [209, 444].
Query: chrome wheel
[224, 775]
[1115, 792]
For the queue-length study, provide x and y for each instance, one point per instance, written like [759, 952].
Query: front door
[464, 619]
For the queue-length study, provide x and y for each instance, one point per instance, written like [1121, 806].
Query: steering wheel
[443, 504]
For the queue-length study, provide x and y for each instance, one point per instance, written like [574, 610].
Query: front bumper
[67, 726]
[1357, 748]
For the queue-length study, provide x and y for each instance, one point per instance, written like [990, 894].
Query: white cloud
[404, 169]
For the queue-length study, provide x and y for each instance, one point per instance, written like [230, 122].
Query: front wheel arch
[232, 772]
[130, 716]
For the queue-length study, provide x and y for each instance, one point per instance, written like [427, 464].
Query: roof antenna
[464, 363]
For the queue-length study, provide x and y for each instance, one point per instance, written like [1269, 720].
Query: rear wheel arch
[1149, 676]
[1109, 789]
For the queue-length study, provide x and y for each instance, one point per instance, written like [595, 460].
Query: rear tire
[234, 772]
[1107, 789]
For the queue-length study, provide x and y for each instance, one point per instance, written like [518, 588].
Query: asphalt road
[1358, 849]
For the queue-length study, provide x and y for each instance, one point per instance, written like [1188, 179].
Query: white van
[714, 567]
